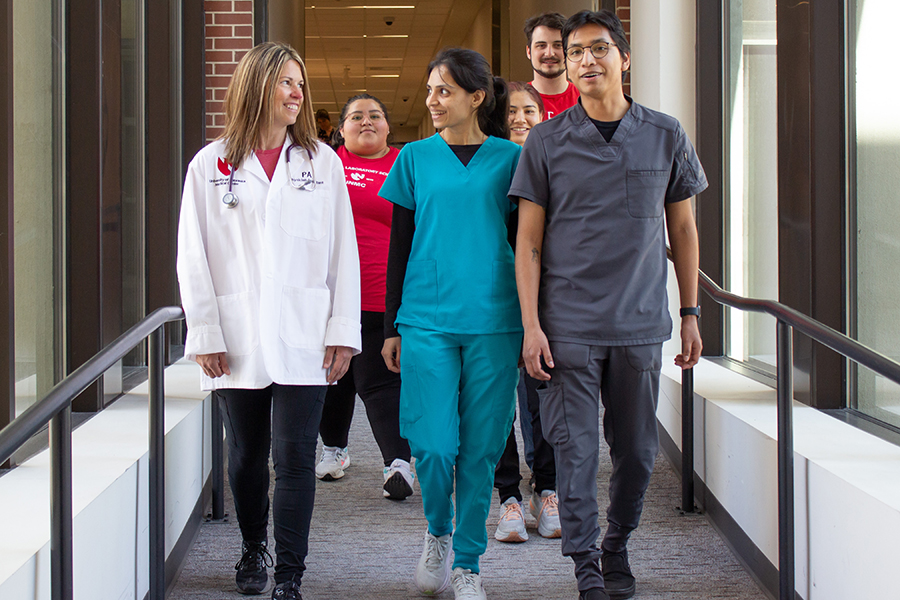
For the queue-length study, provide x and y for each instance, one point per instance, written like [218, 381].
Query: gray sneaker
[545, 509]
[433, 570]
[511, 526]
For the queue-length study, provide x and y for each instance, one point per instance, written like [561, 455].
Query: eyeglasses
[374, 116]
[598, 50]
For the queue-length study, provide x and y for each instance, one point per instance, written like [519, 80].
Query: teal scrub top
[461, 276]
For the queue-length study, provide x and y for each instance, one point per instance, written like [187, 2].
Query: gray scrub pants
[626, 379]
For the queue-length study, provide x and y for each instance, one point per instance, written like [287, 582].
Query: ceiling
[352, 48]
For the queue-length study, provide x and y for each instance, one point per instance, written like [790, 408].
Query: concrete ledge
[847, 482]
[110, 504]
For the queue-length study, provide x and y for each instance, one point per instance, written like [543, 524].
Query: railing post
[687, 440]
[785, 462]
[61, 585]
[218, 461]
[156, 381]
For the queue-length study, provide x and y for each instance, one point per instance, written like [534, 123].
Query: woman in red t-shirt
[364, 129]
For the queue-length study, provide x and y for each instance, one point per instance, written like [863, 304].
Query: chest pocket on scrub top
[646, 192]
[305, 214]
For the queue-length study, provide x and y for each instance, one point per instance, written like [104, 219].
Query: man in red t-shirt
[545, 51]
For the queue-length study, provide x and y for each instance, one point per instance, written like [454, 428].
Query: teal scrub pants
[457, 402]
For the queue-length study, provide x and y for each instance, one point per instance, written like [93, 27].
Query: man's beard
[562, 70]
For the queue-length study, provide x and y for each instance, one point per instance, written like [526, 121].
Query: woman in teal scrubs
[452, 298]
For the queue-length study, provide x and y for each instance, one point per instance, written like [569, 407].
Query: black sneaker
[593, 594]
[617, 575]
[289, 590]
[251, 577]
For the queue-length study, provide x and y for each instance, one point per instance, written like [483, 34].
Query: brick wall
[229, 34]
[623, 11]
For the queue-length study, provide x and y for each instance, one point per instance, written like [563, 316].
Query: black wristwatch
[691, 310]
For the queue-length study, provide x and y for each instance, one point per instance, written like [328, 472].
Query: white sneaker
[467, 585]
[545, 509]
[433, 570]
[511, 527]
[333, 462]
[398, 480]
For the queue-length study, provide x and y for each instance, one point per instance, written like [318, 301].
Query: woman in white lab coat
[269, 276]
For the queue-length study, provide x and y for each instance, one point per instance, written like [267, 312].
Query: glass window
[133, 276]
[875, 210]
[751, 231]
[37, 340]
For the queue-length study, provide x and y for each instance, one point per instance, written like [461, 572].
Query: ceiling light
[382, 75]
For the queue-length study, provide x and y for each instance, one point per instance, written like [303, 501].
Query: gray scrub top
[603, 267]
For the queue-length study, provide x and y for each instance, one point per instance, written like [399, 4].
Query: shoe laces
[436, 552]
[287, 591]
[513, 510]
[550, 505]
[466, 581]
[256, 556]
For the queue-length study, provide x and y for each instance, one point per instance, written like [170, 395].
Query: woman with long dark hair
[452, 301]
[363, 138]
[269, 276]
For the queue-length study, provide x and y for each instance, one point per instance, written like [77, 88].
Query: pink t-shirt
[372, 217]
[556, 103]
[269, 160]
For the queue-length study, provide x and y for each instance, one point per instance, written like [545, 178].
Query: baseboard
[748, 554]
[178, 556]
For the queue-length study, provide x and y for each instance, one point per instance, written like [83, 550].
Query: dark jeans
[507, 477]
[379, 389]
[285, 417]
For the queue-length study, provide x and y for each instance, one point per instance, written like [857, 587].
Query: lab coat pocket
[646, 192]
[239, 319]
[304, 317]
[304, 214]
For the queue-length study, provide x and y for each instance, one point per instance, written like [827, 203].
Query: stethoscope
[230, 199]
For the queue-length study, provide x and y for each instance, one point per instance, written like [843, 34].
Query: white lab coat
[274, 280]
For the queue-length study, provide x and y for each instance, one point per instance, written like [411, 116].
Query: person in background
[452, 298]
[269, 275]
[591, 271]
[363, 148]
[324, 128]
[526, 109]
[545, 51]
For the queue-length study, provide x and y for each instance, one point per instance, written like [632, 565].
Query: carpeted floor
[363, 546]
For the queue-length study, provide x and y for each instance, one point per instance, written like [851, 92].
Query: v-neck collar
[454, 160]
[606, 150]
[279, 177]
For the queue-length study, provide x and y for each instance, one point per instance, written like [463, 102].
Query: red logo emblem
[224, 167]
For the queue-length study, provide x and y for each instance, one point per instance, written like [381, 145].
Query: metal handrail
[787, 319]
[56, 409]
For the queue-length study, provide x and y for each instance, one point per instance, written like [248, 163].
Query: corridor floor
[364, 546]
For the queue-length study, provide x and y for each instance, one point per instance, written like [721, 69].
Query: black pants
[285, 417]
[379, 389]
[507, 476]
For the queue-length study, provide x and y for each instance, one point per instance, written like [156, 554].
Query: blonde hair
[250, 97]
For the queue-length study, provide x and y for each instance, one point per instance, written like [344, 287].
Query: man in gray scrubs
[596, 186]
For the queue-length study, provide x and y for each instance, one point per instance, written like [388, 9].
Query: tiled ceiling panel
[350, 48]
